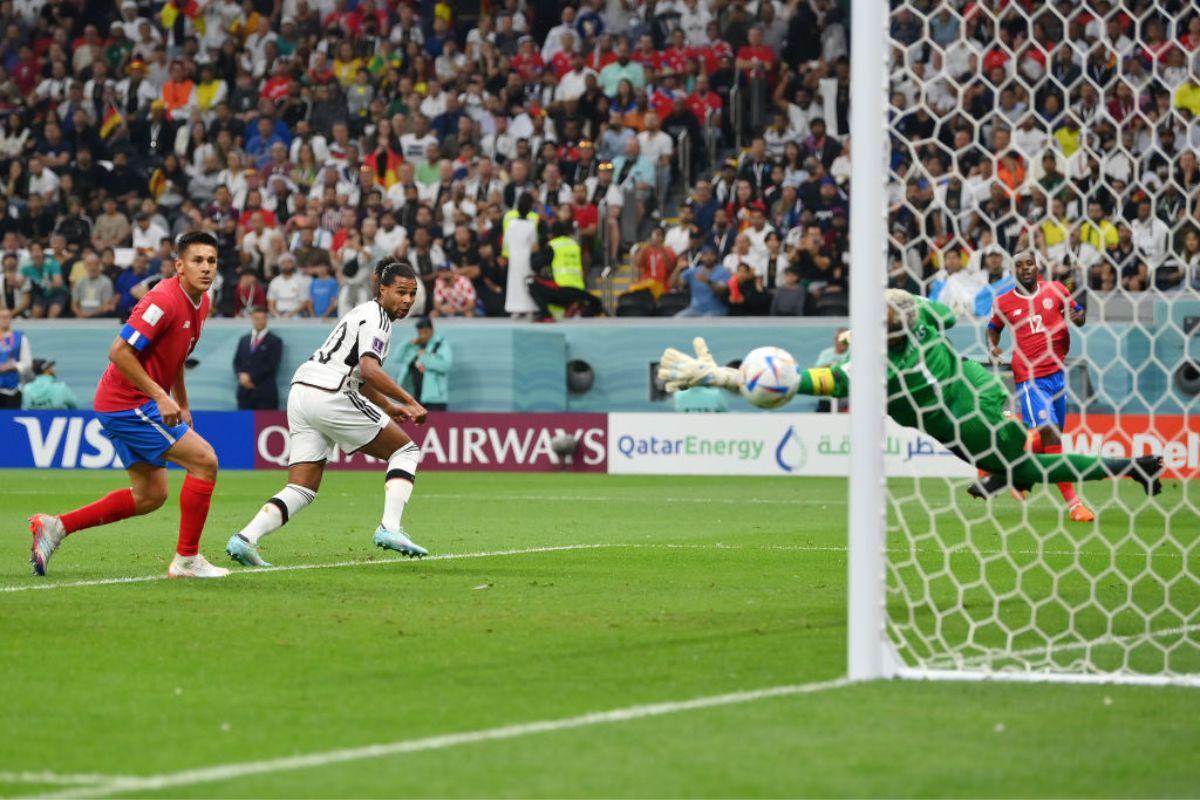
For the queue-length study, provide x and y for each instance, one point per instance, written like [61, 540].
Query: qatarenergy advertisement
[761, 444]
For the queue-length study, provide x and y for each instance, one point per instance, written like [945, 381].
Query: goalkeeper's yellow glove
[680, 371]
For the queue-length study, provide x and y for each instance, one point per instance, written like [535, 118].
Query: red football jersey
[700, 106]
[675, 61]
[1040, 332]
[163, 328]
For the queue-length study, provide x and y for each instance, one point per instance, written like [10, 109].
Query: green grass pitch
[687, 588]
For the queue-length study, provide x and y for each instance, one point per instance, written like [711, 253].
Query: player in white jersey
[342, 396]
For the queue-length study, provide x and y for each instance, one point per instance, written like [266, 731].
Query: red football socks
[1067, 489]
[113, 507]
[194, 499]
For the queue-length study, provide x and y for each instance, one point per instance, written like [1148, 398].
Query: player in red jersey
[142, 404]
[1037, 311]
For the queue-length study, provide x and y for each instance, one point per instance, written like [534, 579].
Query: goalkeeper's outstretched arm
[825, 381]
[678, 371]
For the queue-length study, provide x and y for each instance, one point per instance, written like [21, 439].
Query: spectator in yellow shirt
[1056, 230]
[1187, 95]
[346, 65]
[1069, 136]
[1096, 230]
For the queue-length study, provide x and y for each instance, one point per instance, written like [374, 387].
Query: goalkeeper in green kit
[932, 388]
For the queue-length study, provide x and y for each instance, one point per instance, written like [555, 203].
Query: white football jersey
[365, 331]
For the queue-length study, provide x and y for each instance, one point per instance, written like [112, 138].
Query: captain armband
[822, 381]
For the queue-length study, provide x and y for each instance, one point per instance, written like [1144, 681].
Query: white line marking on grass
[48, 777]
[957, 550]
[577, 498]
[224, 772]
[298, 567]
[1050, 648]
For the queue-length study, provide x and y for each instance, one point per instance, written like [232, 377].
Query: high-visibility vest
[567, 265]
[508, 217]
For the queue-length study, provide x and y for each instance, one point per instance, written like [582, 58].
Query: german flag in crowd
[112, 120]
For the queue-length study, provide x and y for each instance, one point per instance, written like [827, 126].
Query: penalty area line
[224, 772]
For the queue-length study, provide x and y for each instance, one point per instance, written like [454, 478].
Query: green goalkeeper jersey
[929, 385]
[963, 405]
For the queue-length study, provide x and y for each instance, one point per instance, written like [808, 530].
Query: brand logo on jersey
[187, 324]
[377, 345]
[1047, 303]
[152, 314]
[1017, 313]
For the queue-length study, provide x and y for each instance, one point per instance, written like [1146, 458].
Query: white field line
[224, 772]
[958, 550]
[942, 662]
[565, 498]
[59, 778]
[298, 567]
[738, 501]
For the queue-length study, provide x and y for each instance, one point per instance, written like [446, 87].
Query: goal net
[1068, 130]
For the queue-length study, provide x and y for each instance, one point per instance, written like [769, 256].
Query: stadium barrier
[781, 444]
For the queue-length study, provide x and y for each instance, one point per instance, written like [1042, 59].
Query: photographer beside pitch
[930, 387]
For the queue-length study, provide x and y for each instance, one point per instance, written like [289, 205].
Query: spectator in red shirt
[713, 54]
[655, 261]
[603, 55]
[646, 55]
[996, 57]
[675, 58]
[754, 58]
[586, 214]
[560, 62]
[320, 72]
[701, 101]
[249, 293]
[254, 206]
[663, 98]
[528, 61]
[27, 72]
[275, 88]
[587, 220]
[1191, 39]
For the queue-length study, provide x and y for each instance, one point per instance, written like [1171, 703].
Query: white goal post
[946, 587]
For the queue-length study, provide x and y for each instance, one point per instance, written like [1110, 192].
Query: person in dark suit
[256, 362]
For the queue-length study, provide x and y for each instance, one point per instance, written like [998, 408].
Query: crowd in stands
[313, 137]
[1068, 127]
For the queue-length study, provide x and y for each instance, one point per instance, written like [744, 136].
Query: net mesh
[1069, 128]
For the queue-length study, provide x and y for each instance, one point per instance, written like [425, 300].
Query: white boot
[196, 566]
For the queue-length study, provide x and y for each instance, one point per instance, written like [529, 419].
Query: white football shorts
[318, 420]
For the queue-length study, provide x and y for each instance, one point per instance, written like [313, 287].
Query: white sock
[289, 502]
[398, 486]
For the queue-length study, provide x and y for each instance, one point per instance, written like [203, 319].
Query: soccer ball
[769, 377]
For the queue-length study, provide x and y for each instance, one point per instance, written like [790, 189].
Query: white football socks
[398, 486]
[290, 500]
